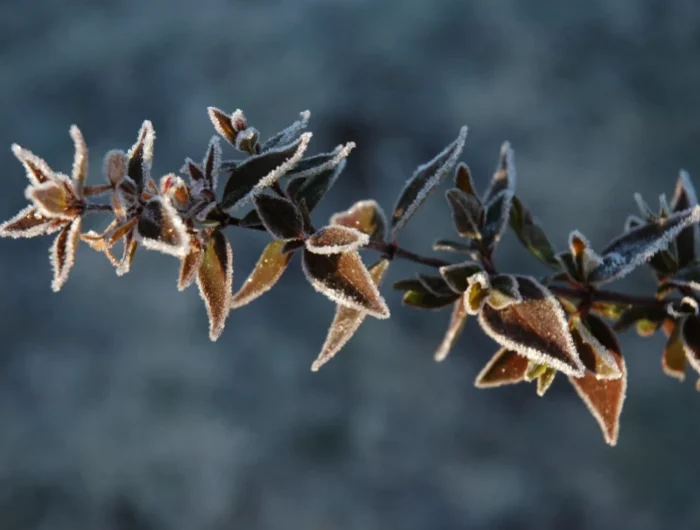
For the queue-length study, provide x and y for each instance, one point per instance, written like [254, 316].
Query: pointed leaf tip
[215, 279]
[268, 270]
[335, 239]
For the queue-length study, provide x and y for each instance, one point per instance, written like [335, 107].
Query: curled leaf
[269, 268]
[214, 279]
[504, 291]
[477, 293]
[346, 321]
[583, 255]
[536, 328]
[280, 217]
[457, 275]
[63, 253]
[335, 239]
[424, 180]
[344, 279]
[365, 216]
[506, 367]
[637, 246]
[114, 166]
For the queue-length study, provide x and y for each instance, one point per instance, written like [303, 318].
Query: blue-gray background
[116, 412]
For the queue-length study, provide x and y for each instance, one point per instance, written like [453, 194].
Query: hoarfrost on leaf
[335, 239]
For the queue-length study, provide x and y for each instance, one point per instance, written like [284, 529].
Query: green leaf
[426, 300]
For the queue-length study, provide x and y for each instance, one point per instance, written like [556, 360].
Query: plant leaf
[545, 380]
[51, 199]
[605, 398]
[280, 217]
[673, 359]
[335, 239]
[346, 321]
[423, 181]
[190, 264]
[536, 328]
[464, 182]
[268, 270]
[63, 253]
[38, 171]
[531, 235]
[289, 134]
[690, 334]
[160, 228]
[506, 367]
[634, 314]
[467, 213]
[504, 291]
[365, 216]
[457, 320]
[457, 275]
[684, 197]
[140, 156]
[29, 222]
[258, 172]
[594, 355]
[227, 126]
[504, 177]
[80, 160]
[316, 181]
[215, 279]
[435, 285]
[637, 246]
[445, 245]
[422, 299]
[497, 215]
[344, 279]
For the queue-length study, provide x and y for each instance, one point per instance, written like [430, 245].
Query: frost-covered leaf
[130, 246]
[280, 216]
[247, 141]
[140, 156]
[63, 253]
[445, 245]
[206, 174]
[506, 367]
[683, 307]
[457, 320]
[467, 214]
[584, 256]
[314, 183]
[684, 197]
[258, 172]
[497, 215]
[115, 166]
[568, 263]
[604, 398]
[189, 265]
[160, 228]
[38, 171]
[80, 159]
[536, 328]
[29, 222]
[436, 285]
[346, 321]
[594, 355]
[215, 279]
[422, 299]
[503, 292]
[52, 199]
[673, 359]
[545, 380]
[424, 180]
[365, 216]
[457, 275]
[344, 279]
[269, 268]
[334, 239]
[637, 246]
[690, 335]
[289, 134]
[504, 177]
[227, 125]
[531, 235]
[634, 314]
[477, 293]
[463, 180]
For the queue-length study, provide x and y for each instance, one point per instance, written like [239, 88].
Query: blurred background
[118, 413]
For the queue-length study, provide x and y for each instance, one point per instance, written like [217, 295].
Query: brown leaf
[267, 271]
[227, 126]
[63, 253]
[457, 320]
[346, 321]
[344, 279]
[38, 171]
[365, 216]
[506, 367]
[280, 216]
[463, 180]
[161, 228]
[130, 246]
[673, 359]
[604, 398]
[114, 166]
[594, 355]
[536, 328]
[140, 156]
[583, 255]
[29, 222]
[52, 199]
[215, 279]
[190, 264]
[335, 239]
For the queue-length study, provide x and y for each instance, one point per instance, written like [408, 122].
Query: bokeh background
[116, 412]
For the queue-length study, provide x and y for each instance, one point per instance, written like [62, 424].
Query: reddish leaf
[52, 199]
[463, 180]
[344, 279]
[38, 171]
[335, 239]
[594, 355]
[365, 216]
[604, 398]
[457, 320]
[190, 264]
[63, 253]
[114, 166]
[424, 180]
[160, 228]
[506, 367]
[673, 359]
[280, 216]
[536, 328]
[267, 271]
[346, 321]
[215, 279]
[226, 125]
[29, 222]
